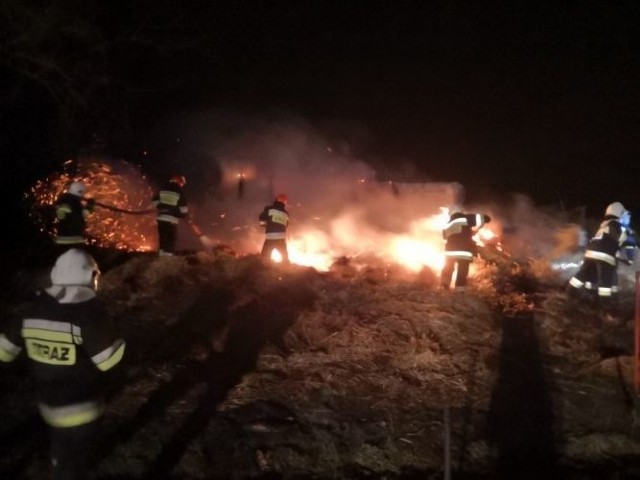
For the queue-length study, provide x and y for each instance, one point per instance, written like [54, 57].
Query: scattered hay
[348, 372]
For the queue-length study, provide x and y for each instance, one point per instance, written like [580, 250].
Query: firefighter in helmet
[69, 348]
[72, 210]
[171, 205]
[598, 272]
[460, 247]
[275, 220]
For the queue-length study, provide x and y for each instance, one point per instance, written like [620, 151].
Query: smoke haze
[334, 194]
[338, 208]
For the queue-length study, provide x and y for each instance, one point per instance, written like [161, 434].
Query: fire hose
[122, 210]
[197, 231]
[195, 228]
[205, 240]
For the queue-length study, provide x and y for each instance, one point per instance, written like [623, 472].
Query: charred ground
[236, 369]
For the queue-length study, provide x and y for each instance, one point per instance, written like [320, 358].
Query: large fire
[124, 219]
[420, 247]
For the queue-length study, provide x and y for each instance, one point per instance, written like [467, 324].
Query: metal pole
[447, 443]
[636, 333]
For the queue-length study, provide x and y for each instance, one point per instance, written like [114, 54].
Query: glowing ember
[115, 184]
[355, 232]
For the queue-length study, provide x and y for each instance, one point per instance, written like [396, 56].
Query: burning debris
[124, 218]
[375, 228]
[337, 213]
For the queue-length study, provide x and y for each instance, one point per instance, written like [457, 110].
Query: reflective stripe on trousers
[71, 415]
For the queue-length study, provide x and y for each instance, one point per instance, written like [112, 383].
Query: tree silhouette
[89, 60]
[55, 47]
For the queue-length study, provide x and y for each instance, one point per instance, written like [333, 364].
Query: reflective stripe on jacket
[275, 219]
[458, 235]
[171, 203]
[605, 244]
[70, 220]
[68, 345]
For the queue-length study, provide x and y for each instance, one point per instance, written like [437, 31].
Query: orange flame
[112, 183]
[420, 247]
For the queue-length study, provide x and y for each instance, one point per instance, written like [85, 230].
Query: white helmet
[616, 209]
[75, 267]
[77, 188]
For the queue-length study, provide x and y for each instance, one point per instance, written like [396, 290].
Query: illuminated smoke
[113, 183]
[338, 209]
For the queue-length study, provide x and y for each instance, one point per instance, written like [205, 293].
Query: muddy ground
[236, 369]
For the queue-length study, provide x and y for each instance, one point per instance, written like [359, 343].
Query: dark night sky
[537, 99]
[530, 97]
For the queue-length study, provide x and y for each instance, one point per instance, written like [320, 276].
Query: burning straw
[112, 183]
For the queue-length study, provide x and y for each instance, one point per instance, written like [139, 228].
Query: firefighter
[241, 186]
[598, 272]
[171, 205]
[69, 349]
[275, 220]
[72, 210]
[459, 247]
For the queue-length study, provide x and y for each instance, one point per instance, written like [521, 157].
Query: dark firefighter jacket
[71, 220]
[608, 239]
[68, 346]
[458, 235]
[171, 203]
[275, 219]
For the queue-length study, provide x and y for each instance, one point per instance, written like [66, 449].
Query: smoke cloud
[334, 193]
[335, 202]
[338, 206]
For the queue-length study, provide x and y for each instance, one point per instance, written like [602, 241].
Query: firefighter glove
[90, 204]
